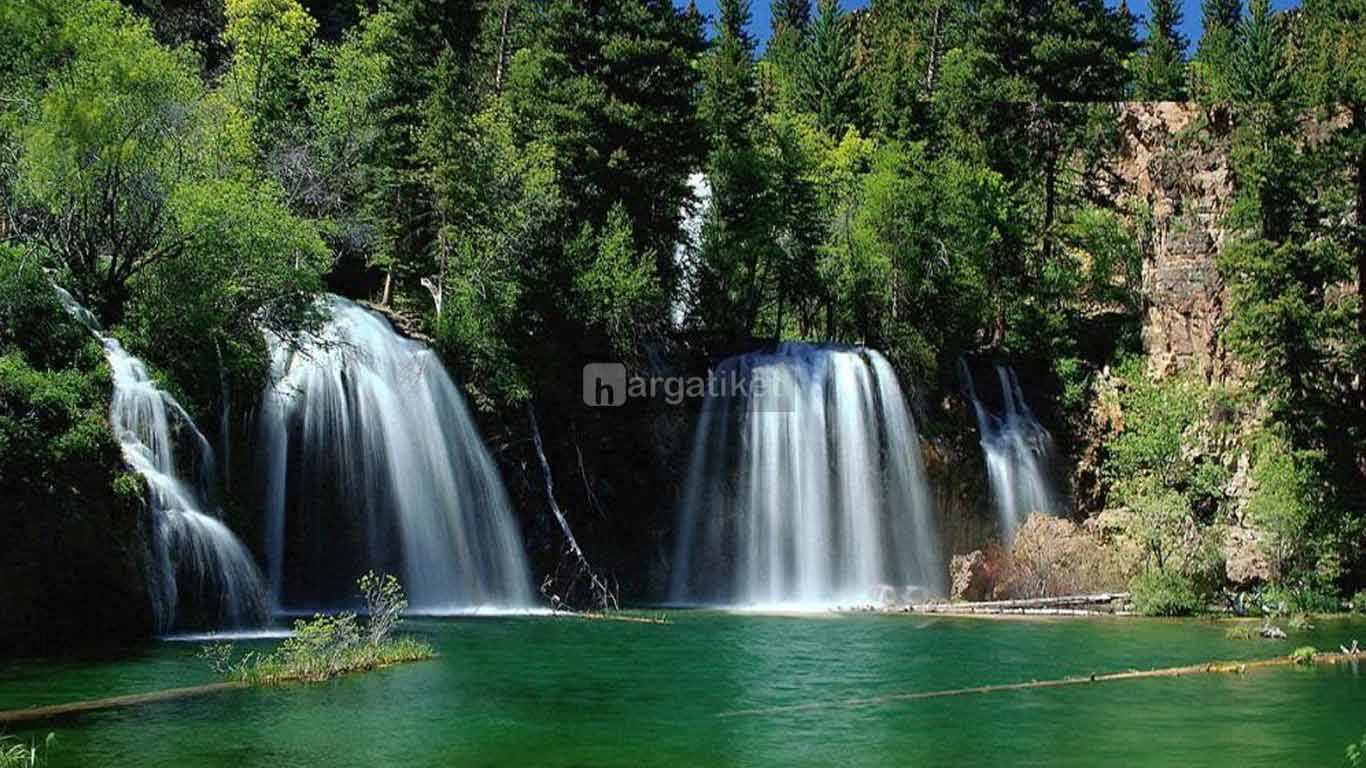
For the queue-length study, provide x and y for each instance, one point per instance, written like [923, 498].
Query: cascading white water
[1016, 448]
[371, 460]
[806, 485]
[197, 561]
[688, 251]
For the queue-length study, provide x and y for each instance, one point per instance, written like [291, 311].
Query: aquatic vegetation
[15, 753]
[324, 647]
[1304, 655]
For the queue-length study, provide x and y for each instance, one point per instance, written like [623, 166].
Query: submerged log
[1213, 667]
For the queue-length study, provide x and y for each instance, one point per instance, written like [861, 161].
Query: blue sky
[1191, 28]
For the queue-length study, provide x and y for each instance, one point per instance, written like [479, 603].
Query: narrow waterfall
[201, 575]
[371, 460]
[1017, 449]
[806, 485]
[688, 250]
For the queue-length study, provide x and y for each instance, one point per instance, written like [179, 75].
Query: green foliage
[1212, 68]
[826, 85]
[1304, 655]
[1163, 593]
[267, 39]
[615, 286]
[15, 753]
[1358, 604]
[1356, 753]
[1161, 66]
[324, 647]
[1158, 419]
[53, 388]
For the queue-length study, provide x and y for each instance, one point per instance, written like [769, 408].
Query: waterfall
[1016, 449]
[688, 250]
[806, 485]
[199, 571]
[371, 460]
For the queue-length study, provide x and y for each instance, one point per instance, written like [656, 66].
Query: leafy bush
[1356, 754]
[1303, 655]
[1300, 596]
[1051, 556]
[1359, 601]
[18, 754]
[324, 647]
[1164, 593]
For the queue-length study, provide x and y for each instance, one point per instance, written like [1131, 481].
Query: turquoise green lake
[714, 689]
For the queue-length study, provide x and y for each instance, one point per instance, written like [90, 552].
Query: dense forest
[510, 179]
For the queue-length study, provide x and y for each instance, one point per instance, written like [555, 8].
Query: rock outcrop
[1175, 178]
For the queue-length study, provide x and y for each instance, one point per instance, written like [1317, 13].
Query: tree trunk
[502, 49]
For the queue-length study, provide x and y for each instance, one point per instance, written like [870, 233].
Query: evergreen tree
[1212, 67]
[790, 20]
[790, 15]
[1284, 267]
[1258, 65]
[1221, 14]
[827, 86]
[737, 233]
[1335, 63]
[610, 87]
[1161, 72]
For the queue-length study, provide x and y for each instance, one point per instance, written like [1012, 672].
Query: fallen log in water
[1214, 667]
[1105, 603]
[53, 711]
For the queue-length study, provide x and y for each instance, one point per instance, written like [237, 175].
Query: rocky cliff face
[1175, 178]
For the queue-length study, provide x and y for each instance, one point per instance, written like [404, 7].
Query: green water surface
[714, 689]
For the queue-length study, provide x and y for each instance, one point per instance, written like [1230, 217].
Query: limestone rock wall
[1175, 177]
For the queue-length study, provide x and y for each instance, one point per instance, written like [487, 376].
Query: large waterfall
[1016, 448]
[200, 574]
[371, 460]
[806, 486]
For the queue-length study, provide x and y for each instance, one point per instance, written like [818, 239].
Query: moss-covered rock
[74, 552]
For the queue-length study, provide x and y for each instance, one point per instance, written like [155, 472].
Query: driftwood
[1214, 667]
[1106, 604]
[602, 596]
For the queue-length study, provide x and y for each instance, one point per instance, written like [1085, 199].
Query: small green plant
[1359, 602]
[1356, 753]
[1301, 622]
[324, 647]
[15, 753]
[1241, 632]
[1163, 593]
[1304, 655]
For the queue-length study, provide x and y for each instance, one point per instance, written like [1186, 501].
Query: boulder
[1245, 564]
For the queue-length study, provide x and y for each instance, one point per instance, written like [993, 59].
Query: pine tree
[827, 87]
[790, 20]
[1212, 67]
[737, 235]
[1221, 14]
[1258, 71]
[790, 15]
[1162, 66]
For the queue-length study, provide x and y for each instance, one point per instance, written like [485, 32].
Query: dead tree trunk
[602, 596]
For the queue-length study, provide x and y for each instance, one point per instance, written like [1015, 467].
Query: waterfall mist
[371, 460]
[1017, 451]
[200, 574]
[811, 492]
